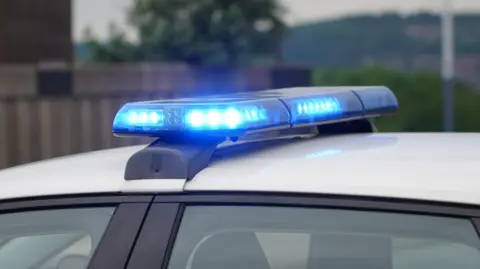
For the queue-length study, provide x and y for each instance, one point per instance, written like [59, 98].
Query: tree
[116, 49]
[200, 32]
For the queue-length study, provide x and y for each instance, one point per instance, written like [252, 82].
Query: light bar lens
[151, 118]
[145, 118]
[250, 112]
[324, 108]
[376, 101]
[321, 106]
[229, 118]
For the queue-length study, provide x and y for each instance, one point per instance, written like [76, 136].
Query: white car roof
[428, 166]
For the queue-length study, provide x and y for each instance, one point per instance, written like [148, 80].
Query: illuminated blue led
[143, 118]
[195, 118]
[233, 118]
[248, 117]
[321, 106]
[254, 114]
[214, 118]
[132, 117]
[154, 118]
[248, 112]
[324, 108]
[229, 118]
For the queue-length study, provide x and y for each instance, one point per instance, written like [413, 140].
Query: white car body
[423, 166]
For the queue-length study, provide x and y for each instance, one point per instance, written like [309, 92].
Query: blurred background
[66, 66]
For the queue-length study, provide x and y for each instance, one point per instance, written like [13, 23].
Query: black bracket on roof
[348, 127]
[173, 158]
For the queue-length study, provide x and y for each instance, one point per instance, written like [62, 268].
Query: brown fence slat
[3, 136]
[24, 130]
[76, 127]
[106, 106]
[66, 118]
[46, 129]
[58, 129]
[96, 125]
[12, 134]
[86, 126]
[35, 149]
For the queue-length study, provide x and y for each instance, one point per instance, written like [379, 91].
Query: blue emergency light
[240, 114]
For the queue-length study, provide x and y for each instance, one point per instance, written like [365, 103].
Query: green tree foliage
[198, 32]
[419, 96]
[116, 49]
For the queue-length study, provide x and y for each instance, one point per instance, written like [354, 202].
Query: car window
[306, 238]
[51, 239]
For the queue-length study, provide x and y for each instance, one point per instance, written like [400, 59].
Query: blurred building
[34, 31]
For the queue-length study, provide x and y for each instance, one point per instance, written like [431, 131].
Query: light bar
[223, 118]
[253, 112]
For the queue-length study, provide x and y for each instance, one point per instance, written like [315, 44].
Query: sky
[98, 13]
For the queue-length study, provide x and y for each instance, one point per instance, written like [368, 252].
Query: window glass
[51, 239]
[220, 237]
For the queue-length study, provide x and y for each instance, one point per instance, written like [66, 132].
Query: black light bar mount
[173, 158]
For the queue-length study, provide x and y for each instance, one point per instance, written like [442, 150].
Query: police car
[280, 179]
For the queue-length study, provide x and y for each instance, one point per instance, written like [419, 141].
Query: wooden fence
[38, 129]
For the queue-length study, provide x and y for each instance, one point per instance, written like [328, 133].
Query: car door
[259, 231]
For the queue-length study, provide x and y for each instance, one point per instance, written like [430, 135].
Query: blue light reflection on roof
[323, 153]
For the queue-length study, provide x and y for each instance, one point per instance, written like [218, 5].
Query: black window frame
[143, 229]
[118, 241]
[156, 239]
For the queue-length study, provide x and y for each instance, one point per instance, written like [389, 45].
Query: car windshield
[219, 237]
